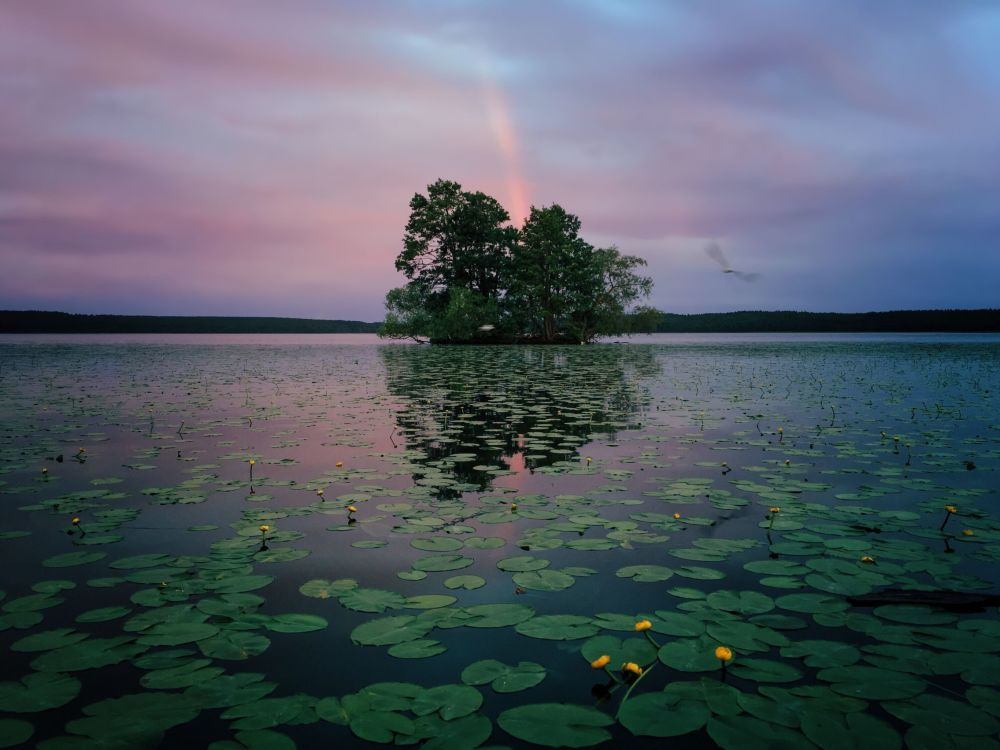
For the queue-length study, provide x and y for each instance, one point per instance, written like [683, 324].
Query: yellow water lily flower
[75, 521]
[600, 662]
[264, 528]
[351, 509]
[677, 516]
[723, 654]
[951, 508]
[513, 506]
[968, 532]
[320, 492]
[643, 625]
[868, 559]
[632, 667]
[775, 509]
[251, 462]
[339, 464]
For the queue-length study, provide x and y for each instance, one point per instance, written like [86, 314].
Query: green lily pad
[438, 563]
[690, 655]
[522, 564]
[831, 731]
[226, 691]
[764, 670]
[466, 733]
[645, 573]
[449, 701]
[945, 715]
[104, 614]
[371, 600]
[502, 677]
[741, 602]
[429, 601]
[419, 649]
[748, 733]
[556, 724]
[558, 627]
[466, 582]
[38, 691]
[320, 588]
[387, 631]
[662, 715]
[498, 615]
[437, 544]
[872, 683]
[820, 654]
[619, 650]
[15, 732]
[544, 580]
[48, 640]
[234, 645]
[70, 559]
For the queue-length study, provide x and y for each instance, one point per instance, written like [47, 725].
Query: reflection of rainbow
[498, 112]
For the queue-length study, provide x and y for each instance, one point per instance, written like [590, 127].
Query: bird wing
[713, 251]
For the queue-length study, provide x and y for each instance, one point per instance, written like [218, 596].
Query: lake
[270, 541]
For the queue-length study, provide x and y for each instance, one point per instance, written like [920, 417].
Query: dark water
[597, 446]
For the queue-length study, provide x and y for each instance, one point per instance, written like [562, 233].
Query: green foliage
[473, 278]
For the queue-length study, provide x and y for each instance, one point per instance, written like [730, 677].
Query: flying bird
[714, 252]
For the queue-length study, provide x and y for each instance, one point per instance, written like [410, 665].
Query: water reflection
[476, 412]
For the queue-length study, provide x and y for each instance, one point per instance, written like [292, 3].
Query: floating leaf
[503, 678]
[438, 563]
[419, 649]
[465, 582]
[662, 715]
[387, 631]
[872, 683]
[38, 691]
[556, 724]
[558, 627]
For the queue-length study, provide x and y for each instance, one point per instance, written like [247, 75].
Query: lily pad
[662, 715]
[556, 724]
[502, 677]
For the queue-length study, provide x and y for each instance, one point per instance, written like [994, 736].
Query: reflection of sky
[186, 158]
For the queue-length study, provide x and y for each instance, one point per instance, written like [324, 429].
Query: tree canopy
[473, 277]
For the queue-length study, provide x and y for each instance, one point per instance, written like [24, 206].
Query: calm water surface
[543, 480]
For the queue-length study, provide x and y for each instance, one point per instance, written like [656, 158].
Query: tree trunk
[549, 327]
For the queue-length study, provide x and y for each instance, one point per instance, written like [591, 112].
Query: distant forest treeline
[808, 322]
[20, 321]
[15, 321]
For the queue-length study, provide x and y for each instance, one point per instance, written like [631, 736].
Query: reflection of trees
[469, 407]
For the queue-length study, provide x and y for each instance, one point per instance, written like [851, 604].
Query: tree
[606, 285]
[456, 239]
[472, 277]
[406, 314]
[548, 268]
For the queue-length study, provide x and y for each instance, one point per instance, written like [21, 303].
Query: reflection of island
[468, 411]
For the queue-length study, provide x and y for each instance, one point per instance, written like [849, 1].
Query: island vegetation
[473, 277]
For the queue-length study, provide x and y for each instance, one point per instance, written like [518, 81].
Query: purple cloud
[258, 158]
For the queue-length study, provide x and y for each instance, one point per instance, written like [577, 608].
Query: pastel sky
[247, 157]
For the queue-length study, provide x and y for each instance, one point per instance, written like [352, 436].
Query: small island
[476, 279]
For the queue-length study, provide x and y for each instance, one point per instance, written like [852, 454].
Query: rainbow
[498, 113]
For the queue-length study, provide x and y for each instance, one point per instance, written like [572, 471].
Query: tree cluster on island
[475, 278]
